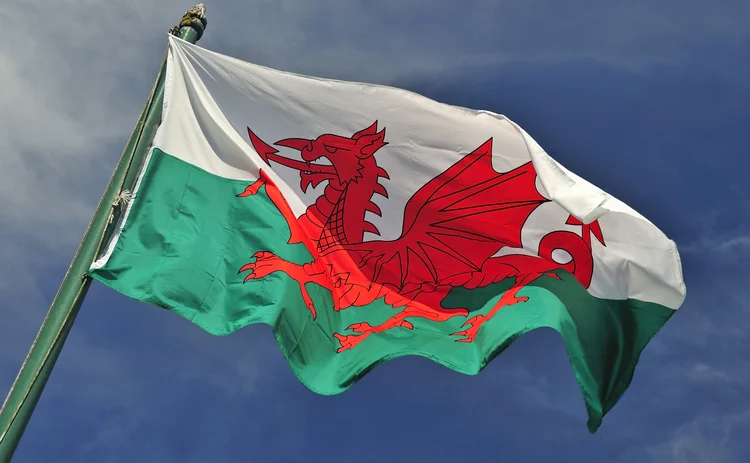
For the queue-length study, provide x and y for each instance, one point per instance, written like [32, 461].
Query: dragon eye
[331, 149]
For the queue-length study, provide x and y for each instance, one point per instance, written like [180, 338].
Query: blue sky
[646, 100]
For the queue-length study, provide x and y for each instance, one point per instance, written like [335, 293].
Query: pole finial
[195, 18]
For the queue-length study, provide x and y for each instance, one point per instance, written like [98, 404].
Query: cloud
[702, 372]
[111, 438]
[20, 316]
[423, 34]
[705, 439]
[724, 245]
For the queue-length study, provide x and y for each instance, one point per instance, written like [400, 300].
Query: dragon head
[338, 159]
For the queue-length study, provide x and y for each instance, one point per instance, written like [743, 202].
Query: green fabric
[187, 235]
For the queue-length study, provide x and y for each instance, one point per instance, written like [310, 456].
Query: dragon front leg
[274, 194]
[267, 263]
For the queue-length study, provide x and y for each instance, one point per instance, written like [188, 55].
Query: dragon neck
[338, 215]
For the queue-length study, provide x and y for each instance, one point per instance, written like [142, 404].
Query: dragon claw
[311, 308]
[362, 327]
[252, 189]
[265, 264]
[348, 341]
[472, 326]
[246, 267]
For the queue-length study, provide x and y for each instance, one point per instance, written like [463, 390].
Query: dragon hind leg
[425, 305]
[509, 297]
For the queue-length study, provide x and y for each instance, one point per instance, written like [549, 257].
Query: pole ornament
[195, 17]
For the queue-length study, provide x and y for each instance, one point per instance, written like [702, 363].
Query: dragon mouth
[313, 178]
[311, 172]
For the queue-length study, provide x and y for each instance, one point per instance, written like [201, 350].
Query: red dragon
[453, 228]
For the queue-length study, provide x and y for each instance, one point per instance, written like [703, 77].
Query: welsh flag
[364, 223]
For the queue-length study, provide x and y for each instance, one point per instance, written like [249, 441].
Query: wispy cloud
[705, 439]
[702, 372]
[725, 245]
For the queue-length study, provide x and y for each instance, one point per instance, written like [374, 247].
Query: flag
[364, 223]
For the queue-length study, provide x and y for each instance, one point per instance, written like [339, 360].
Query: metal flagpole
[40, 360]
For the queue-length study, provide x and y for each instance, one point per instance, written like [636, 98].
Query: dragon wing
[454, 223]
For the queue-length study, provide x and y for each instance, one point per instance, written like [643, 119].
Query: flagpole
[28, 386]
